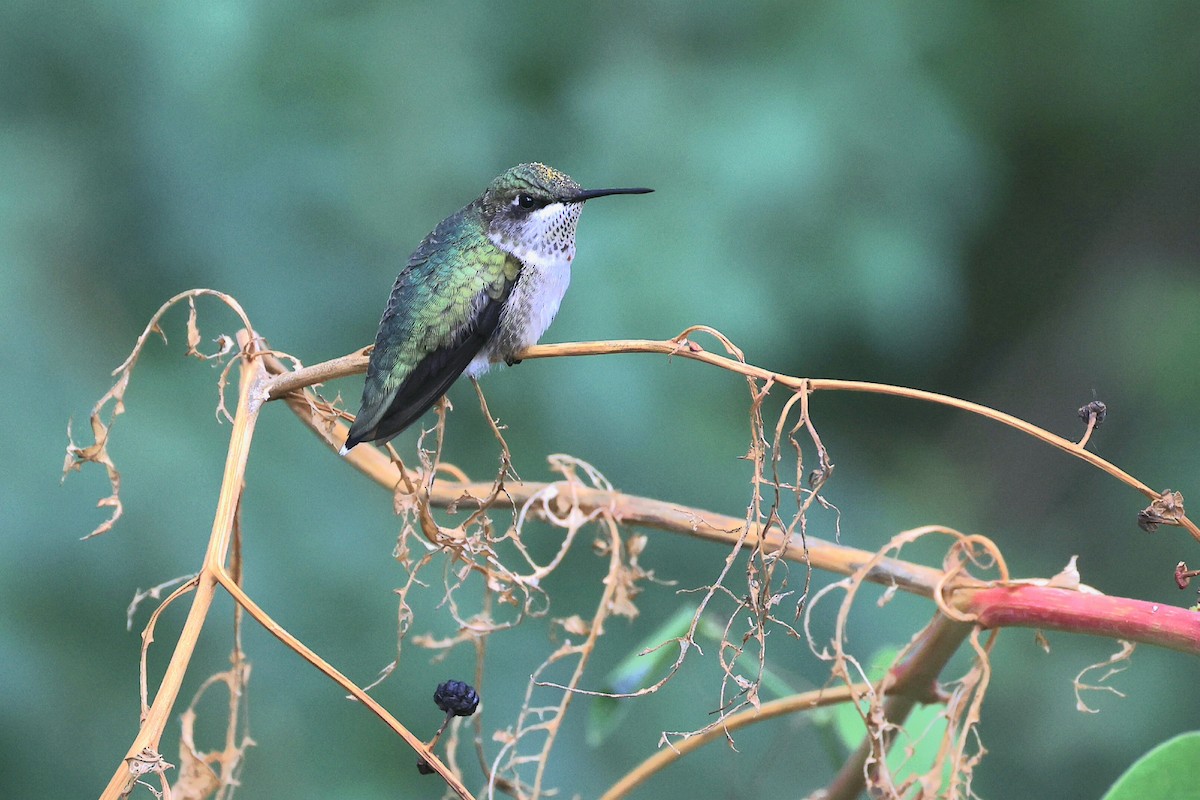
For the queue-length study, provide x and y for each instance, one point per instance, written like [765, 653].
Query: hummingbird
[485, 284]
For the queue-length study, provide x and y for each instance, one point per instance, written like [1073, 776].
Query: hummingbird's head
[532, 211]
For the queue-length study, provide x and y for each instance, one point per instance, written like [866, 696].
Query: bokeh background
[996, 201]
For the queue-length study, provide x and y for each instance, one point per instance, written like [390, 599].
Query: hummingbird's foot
[512, 362]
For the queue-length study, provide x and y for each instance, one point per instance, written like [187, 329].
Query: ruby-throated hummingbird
[484, 285]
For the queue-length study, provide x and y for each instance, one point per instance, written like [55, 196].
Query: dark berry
[456, 697]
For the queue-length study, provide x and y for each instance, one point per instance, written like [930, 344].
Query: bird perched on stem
[481, 287]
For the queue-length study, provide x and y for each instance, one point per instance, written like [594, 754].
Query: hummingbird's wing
[438, 318]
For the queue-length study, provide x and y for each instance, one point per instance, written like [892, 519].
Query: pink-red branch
[1049, 608]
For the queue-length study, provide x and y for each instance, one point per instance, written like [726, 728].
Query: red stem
[1046, 607]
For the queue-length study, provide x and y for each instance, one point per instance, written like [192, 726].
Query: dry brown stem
[1150, 623]
[355, 363]
[158, 713]
[547, 721]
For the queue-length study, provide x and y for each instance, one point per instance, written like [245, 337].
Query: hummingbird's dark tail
[403, 410]
[414, 397]
[386, 414]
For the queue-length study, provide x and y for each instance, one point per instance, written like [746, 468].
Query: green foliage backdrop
[995, 201]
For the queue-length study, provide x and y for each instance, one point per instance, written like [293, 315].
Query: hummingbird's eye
[524, 200]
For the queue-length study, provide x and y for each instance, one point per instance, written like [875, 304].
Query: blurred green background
[996, 201]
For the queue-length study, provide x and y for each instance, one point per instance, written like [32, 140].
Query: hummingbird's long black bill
[588, 194]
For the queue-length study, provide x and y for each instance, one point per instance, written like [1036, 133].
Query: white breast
[537, 296]
[531, 306]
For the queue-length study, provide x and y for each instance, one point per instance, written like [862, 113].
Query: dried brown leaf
[1166, 510]
[193, 330]
[575, 624]
[197, 780]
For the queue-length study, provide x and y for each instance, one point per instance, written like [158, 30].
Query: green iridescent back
[432, 320]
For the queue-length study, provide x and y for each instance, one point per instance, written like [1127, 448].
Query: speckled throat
[544, 244]
[544, 237]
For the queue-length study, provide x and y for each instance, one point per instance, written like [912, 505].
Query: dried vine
[486, 548]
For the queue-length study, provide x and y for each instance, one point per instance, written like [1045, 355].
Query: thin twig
[277, 630]
[805, 701]
[650, 513]
[148, 639]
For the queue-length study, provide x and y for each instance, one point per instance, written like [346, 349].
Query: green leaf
[1170, 770]
[633, 673]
